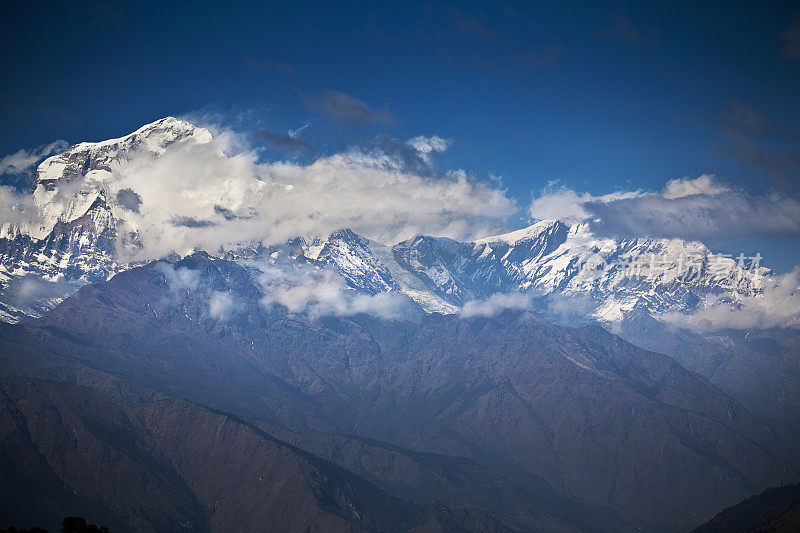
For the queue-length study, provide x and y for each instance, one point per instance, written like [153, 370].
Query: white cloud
[221, 306]
[213, 195]
[560, 204]
[323, 292]
[16, 209]
[497, 303]
[695, 209]
[388, 305]
[427, 146]
[570, 307]
[179, 279]
[23, 160]
[704, 185]
[295, 133]
[556, 202]
[777, 306]
[32, 290]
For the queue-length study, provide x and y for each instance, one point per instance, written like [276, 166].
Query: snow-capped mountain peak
[67, 185]
[67, 229]
[529, 233]
[86, 206]
[86, 157]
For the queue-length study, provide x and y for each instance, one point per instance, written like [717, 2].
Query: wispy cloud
[414, 155]
[286, 141]
[218, 194]
[22, 162]
[427, 147]
[777, 306]
[221, 306]
[791, 41]
[320, 292]
[348, 110]
[688, 208]
[496, 304]
[557, 202]
[182, 282]
[179, 280]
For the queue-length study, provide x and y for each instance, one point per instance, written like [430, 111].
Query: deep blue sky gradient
[601, 96]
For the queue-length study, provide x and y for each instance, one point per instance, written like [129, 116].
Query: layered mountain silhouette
[776, 510]
[172, 465]
[541, 426]
[85, 218]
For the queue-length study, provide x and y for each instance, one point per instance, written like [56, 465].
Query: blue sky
[599, 96]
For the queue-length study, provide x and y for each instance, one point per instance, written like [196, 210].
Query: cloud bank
[320, 292]
[217, 194]
[348, 110]
[687, 208]
[778, 306]
[369, 193]
[496, 304]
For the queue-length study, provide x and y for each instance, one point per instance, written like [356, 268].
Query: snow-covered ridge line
[80, 230]
[154, 137]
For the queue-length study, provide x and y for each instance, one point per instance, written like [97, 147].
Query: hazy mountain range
[543, 379]
[717, 315]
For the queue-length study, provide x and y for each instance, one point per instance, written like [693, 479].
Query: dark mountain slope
[524, 500]
[177, 466]
[599, 420]
[596, 417]
[256, 483]
[71, 451]
[758, 367]
[775, 510]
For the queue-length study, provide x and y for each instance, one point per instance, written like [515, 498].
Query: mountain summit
[68, 231]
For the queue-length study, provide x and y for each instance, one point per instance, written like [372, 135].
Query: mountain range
[533, 380]
[544, 408]
[80, 214]
[83, 223]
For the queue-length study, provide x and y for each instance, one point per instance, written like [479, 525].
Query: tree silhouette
[76, 524]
